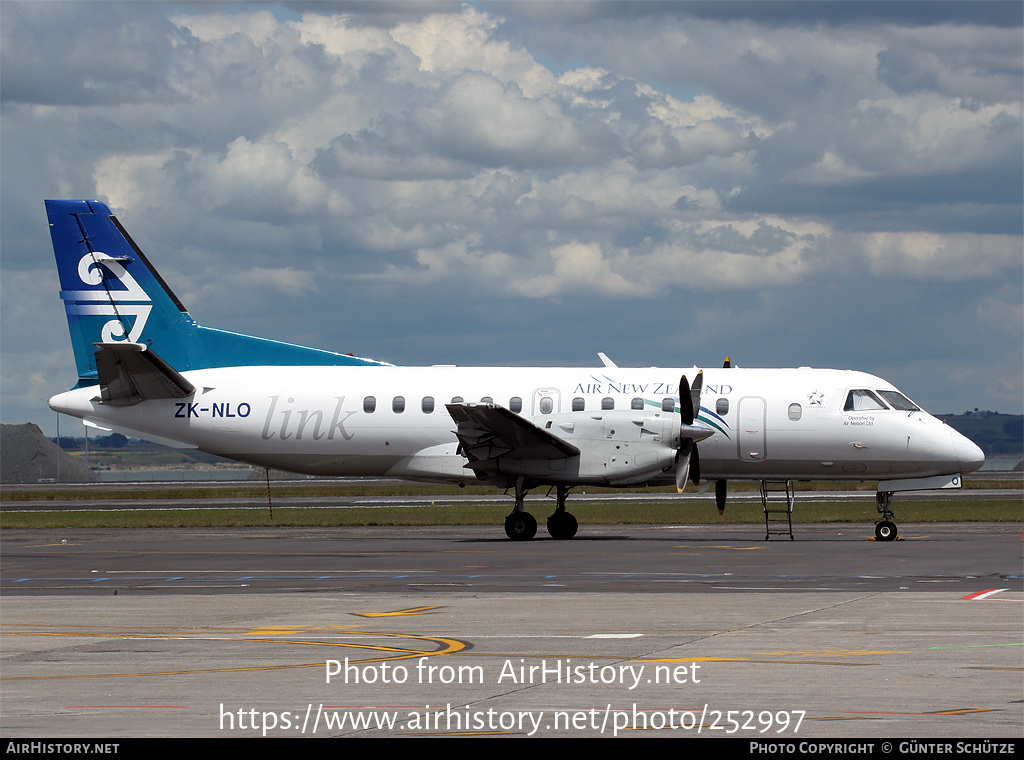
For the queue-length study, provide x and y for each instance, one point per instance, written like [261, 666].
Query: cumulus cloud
[585, 267]
[929, 256]
[458, 42]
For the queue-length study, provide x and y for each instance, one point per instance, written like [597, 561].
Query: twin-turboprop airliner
[147, 369]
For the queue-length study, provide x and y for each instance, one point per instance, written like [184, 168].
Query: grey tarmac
[626, 631]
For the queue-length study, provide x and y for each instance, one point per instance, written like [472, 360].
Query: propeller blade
[686, 448]
[720, 494]
[687, 458]
[695, 389]
[686, 410]
[728, 363]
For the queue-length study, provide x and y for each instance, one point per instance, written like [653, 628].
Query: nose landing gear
[885, 529]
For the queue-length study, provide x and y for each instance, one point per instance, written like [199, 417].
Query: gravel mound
[28, 456]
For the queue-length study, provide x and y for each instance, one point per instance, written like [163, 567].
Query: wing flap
[489, 431]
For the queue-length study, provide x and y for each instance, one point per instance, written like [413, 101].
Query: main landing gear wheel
[885, 531]
[520, 526]
[562, 525]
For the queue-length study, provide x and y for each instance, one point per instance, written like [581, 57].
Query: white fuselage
[392, 421]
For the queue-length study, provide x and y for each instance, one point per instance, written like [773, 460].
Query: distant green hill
[997, 434]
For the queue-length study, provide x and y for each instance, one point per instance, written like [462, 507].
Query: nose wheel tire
[520, 526]
[885, 531]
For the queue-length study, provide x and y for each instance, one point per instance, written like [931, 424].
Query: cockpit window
[863, 401]
[899, 402]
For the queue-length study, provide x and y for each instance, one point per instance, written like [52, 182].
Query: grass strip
[653, 513]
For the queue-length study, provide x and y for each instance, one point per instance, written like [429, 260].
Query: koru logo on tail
[129, 306]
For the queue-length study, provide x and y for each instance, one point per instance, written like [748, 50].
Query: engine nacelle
[617, 447]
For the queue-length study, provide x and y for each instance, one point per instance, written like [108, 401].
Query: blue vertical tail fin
[112, 294]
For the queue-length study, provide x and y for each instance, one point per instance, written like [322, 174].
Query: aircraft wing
[489, 431]
[129, 373]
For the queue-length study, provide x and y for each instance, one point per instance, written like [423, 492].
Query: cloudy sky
[828, 184]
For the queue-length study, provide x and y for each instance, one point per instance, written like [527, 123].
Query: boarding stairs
[777, 499]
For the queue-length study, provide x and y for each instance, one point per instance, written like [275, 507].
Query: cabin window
[456, 399]
[427, 404]
[668, 405]
[546, 405]
[607, 403]
[578, 404]
[486, 400]
[369, 404]
[515, 404]
[722, 406]
[862, 401]
[637, 403]
[398, 404]
[795, 412]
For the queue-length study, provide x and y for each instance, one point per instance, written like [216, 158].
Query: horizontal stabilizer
[489, 431]
[130, 373]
